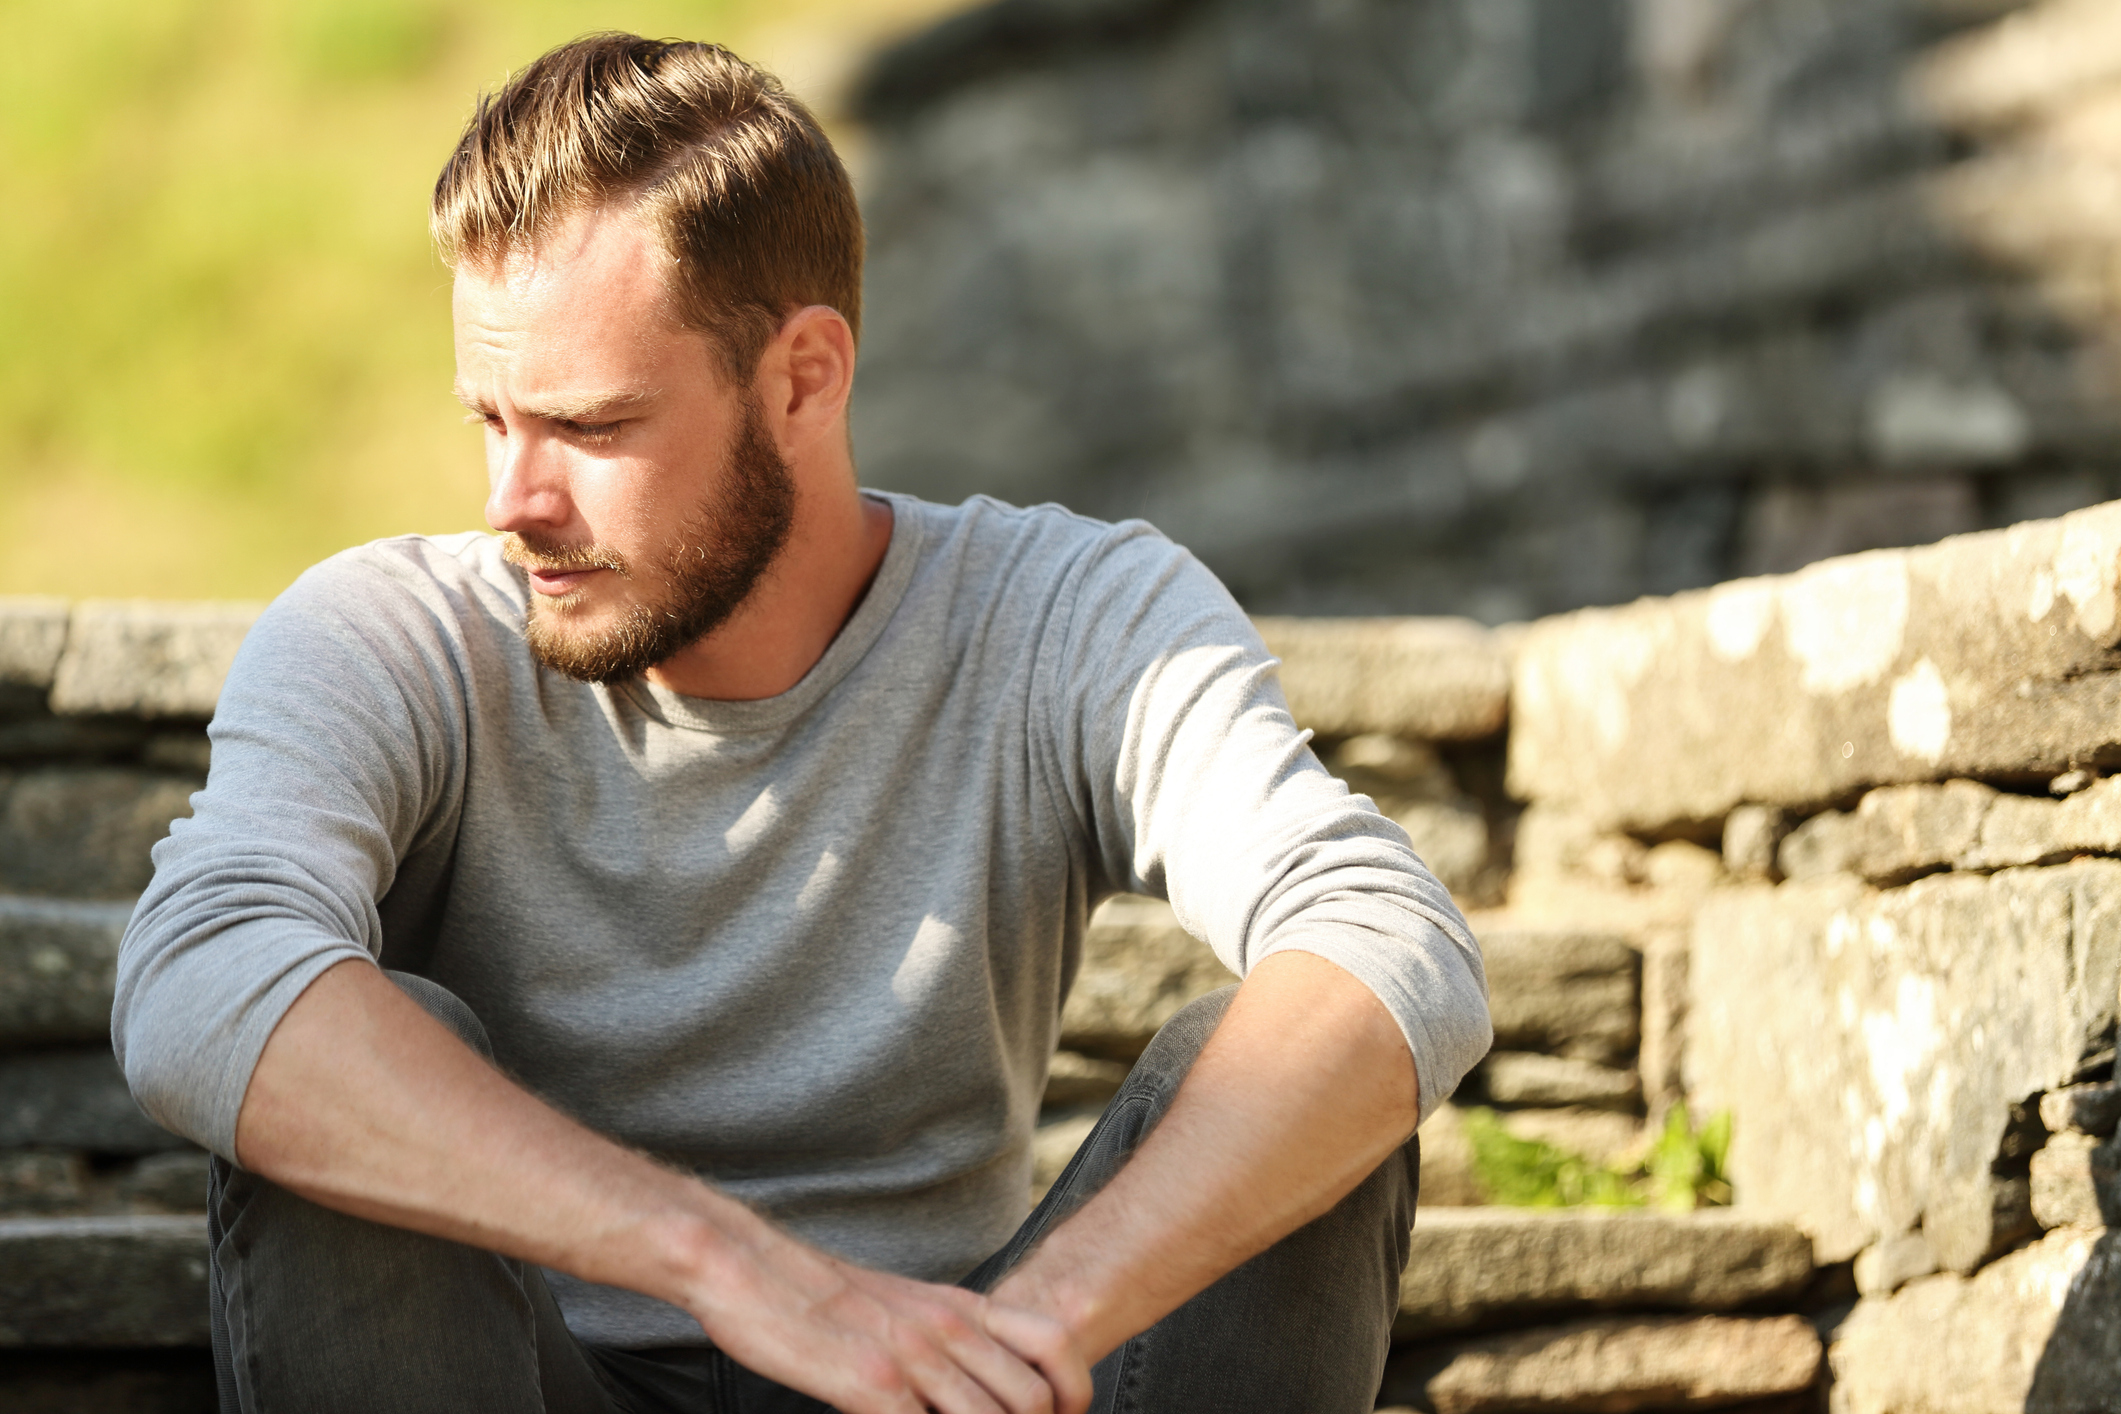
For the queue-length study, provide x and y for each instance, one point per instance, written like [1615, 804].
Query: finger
[1013, 1381]
[948, 1388]
[1044, 1344]
[1006, 1375]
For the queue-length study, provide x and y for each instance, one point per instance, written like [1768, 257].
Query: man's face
[638, 489]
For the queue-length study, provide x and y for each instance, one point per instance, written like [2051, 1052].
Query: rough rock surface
[148, 659]
[1614, 1365]
[1872, 1096]
[2076, 1182]
[32, 634]
[85, 831]
[120, 1281]
[1429, 679]
[1569, 992]
[1528, 1078]
[38, 1181]
[1074, 1079]
[74, 1099]
[1869, 670]
[58, 969]
[1139, 967]
[2037, 1330]
[2087, 1109]
[1897, 833]
[1478, 1266]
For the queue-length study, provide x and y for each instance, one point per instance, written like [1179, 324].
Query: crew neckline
[854, 640]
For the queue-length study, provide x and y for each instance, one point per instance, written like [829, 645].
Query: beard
[722, 550]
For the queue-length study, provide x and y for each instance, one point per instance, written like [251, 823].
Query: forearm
[1304, 1089]
[364, 1103]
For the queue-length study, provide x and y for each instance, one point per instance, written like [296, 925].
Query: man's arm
[364, 1103]
[1302, 1091]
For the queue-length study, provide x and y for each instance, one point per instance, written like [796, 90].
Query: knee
[446, 1007]
[1178, 1043]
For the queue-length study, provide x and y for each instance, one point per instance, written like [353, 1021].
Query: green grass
[224, 341]
[1682, 1169]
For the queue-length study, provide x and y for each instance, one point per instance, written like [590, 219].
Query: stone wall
[1836, 852]
[1499, 307]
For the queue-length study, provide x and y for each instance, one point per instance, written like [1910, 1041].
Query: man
[749, 824]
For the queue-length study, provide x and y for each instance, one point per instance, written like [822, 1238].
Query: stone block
[1751, 835]
[1452, 839]
[74, 1100]
[1895, 834]
[103, 1282]
[38, 1181]
[2076, 1182]
[1571, 992]
[1661, 1060]
[146, 659]
[1139, 967]
[1529, 1078]
[1430, 679]
[1870, 1045]
[2037, 1330]
[174, 1182]
[1074, 1079]
[32, 634]
[1472, 1267]
[2086, 1109]
[1884, 1267]
[85, 831]
[1614, 1364]
[58, 969]
[1873, 669]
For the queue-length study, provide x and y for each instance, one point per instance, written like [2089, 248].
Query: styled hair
[732, 174]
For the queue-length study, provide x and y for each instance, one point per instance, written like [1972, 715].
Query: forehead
[596, 285]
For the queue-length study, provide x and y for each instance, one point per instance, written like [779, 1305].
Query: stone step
[74, 1099]
[58, 968]
[1482, 1267]
[104, 1283]
[1609, 1363]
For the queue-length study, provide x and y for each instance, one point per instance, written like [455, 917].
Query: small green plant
[1680, 1170]
[1686, 1169]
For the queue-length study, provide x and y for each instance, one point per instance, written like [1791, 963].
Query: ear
[806, 376]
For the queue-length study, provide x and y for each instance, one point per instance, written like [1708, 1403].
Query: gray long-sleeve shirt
[814, 947]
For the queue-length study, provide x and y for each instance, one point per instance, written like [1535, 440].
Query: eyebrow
[570, 407]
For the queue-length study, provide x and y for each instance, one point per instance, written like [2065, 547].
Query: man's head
[634, 226]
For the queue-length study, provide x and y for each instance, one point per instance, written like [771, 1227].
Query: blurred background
[1493, 307]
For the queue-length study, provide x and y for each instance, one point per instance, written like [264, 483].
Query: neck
[805, 598]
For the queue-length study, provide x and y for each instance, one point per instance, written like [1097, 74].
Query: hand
[867, 1342]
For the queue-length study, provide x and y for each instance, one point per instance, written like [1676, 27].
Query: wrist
[1040, 1287]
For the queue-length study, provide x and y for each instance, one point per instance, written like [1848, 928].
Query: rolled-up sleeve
[335, 741]
[1173, 741]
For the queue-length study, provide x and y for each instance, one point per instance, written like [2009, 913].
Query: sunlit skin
[600, 419]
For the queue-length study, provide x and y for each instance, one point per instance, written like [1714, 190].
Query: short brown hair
[733, 174]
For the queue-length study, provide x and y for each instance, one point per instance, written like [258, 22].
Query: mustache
[531, 553]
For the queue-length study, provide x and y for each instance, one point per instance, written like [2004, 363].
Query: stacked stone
[102, 742]
[1905, 982]
[1499, 307]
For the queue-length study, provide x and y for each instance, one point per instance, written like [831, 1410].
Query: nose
[526, 481]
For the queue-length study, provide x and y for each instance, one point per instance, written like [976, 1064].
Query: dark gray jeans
[316, 1312]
